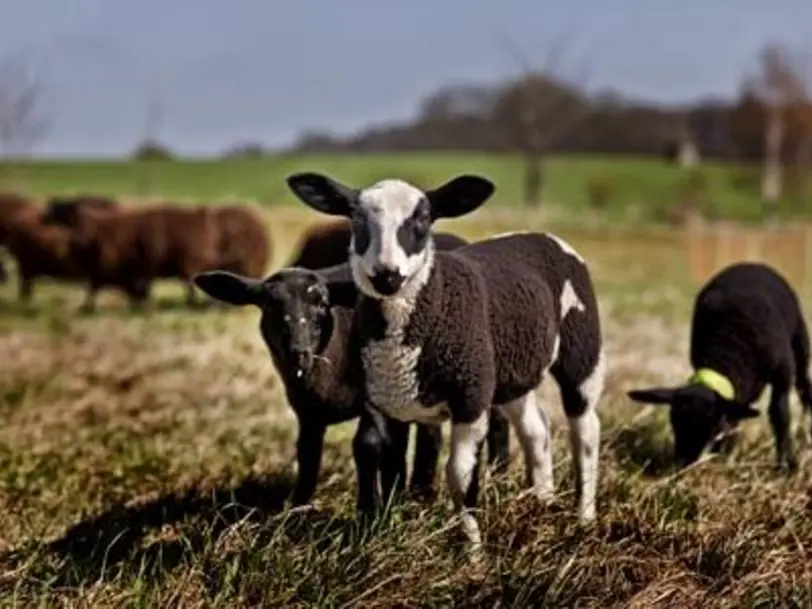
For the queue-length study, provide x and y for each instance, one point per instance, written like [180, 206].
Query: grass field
[633, 189]
[145, 459]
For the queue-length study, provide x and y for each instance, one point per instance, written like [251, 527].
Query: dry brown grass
[144, 461]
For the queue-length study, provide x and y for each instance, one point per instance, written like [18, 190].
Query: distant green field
[631, 188]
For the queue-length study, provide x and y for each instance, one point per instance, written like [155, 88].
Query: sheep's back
[747, 303]
[244, 240]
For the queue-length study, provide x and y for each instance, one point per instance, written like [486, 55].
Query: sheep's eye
[360, 232]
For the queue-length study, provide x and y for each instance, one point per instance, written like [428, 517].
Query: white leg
[533, 430]
[585, 435]
[465, 440]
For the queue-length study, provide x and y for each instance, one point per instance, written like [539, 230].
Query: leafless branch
[22, 119]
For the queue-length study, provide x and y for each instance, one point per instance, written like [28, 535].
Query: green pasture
[577, 188]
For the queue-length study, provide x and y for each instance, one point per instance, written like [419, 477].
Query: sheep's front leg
[780, 421]
[429, 441]
[309, 448]
[367, 447]
[393, 462]
[461, 470]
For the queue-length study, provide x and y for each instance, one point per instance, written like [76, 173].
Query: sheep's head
[391, 250]
[64, 212]
[698, 416]
[296, 321]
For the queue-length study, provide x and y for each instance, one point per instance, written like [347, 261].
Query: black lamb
[449, 334]
[747, 332]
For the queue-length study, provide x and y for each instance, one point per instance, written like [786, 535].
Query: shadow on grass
[111, 544]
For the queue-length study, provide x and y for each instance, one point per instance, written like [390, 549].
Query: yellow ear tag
[714, 381]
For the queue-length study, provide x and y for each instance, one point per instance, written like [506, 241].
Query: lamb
[448, 334]
[328, 244]
[314, 346]
[747, 332]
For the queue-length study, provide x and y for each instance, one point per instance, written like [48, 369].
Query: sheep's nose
[386, 281]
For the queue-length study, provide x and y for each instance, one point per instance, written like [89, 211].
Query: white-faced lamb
[449, 334]
[747, 332]
[327, 244]
[315, 348]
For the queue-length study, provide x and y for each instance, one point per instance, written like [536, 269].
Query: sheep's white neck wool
[387, 214]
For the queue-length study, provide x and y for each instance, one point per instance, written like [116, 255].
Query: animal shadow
[107, 544]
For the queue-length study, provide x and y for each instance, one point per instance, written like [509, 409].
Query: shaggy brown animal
[83, 201]
[244, 242]
[39, 250]
[128, 248]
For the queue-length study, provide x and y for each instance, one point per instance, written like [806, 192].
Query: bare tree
[22, 117]
[150, 148]
[536, 111]
[782, 84]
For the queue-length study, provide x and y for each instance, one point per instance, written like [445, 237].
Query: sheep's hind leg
[580, 403]
[533, 430]
[498, 442]
[393, 462]
[780, 421]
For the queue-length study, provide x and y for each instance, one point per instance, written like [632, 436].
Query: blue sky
[263, 70]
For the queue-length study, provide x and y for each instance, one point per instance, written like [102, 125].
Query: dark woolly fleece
[487, 322]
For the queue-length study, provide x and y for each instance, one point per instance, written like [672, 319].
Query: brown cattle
[39, 250]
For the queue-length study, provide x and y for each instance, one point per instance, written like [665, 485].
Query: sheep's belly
[392, 383]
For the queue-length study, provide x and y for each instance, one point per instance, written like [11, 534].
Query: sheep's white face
[391, 250]
[391, 246]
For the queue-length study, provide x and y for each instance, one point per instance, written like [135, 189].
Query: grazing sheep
[747, 332]
[328, 244]
[129, 248]
[448, 334]
[39, 250]
[244, 240]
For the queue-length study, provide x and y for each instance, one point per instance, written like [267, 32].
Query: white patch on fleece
[390, 367]
[566, 247]
[570, 300]
[386, 205]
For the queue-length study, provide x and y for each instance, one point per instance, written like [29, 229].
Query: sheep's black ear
[459, 196]
[740, 411]
[231, 288]
[322, 193]
[658, 395]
